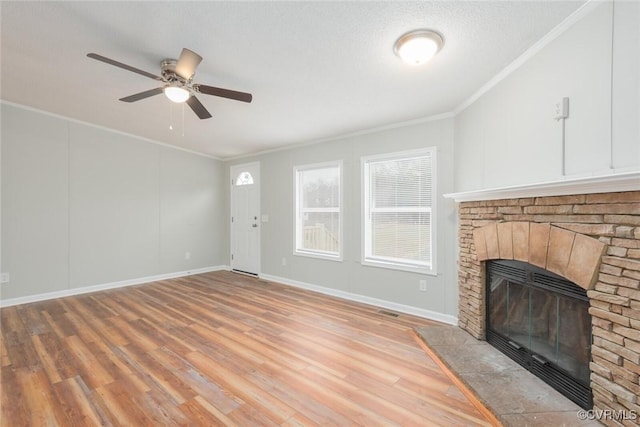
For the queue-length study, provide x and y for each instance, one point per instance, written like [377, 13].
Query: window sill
[391, 266]
[318, 255]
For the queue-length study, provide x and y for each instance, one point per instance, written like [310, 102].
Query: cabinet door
[626, 85]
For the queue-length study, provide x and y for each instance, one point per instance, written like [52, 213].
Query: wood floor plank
[220, 349]
[17, 341]
[201, 412]
[77, 403]
[204, 387]
[59, 324]
[88, 331]
[123, 404]
[233, 381]
[32, 320]
[294, 390]
[42, 406]
[14, 407]
[92, 372]
[155, 376]
[4, 353]
[47, 360]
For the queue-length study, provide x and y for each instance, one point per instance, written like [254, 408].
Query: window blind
[398, 210]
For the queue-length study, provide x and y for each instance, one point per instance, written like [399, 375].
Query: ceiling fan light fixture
[177, 84]
[418, 46]
[177, 94]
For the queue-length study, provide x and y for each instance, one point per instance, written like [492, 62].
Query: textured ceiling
[316, 70]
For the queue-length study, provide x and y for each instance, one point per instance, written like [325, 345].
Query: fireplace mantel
[611, 183]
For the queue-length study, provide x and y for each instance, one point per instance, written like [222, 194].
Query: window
[244, 178]
[399, 206]
[318, 217]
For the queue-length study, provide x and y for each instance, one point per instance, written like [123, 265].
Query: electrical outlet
[187, 255]
[284, 262]
[423, 285]
[5, 278]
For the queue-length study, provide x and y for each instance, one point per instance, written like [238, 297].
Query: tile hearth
[515, 396]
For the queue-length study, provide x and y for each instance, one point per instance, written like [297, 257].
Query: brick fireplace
[591, 239]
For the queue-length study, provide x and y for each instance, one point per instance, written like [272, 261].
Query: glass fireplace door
[542, 322]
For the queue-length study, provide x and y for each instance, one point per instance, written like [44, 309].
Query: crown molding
[104, 128]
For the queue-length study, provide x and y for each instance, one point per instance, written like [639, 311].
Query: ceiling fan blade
[121, 65]
[198, 108]
[187, 63]
[224, 93]
[142, 95]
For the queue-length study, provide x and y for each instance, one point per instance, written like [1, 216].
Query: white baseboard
[105, 286]
[420, 312]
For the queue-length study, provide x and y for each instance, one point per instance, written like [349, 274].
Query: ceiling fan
[177, 82]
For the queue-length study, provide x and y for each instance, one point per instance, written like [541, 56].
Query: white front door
[245, 218]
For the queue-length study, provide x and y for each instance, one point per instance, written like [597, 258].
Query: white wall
[509, 137]
[349, 276]
[83, 206]
[35, 203]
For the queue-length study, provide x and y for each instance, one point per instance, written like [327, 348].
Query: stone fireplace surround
[592, 239]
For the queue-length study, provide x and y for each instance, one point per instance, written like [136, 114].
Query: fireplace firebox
[541, 321]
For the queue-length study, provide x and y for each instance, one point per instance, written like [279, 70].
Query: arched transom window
[244, 178]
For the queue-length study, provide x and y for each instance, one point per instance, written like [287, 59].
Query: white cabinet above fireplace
[507, 134]
[625, 87]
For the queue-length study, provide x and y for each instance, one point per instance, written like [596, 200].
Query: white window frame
[298, 211]
[392, 263]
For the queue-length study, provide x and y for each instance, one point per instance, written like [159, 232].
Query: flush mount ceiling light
[176, 94]
[419, 46]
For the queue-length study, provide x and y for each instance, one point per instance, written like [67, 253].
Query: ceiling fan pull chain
[183, 119]
[170, 117]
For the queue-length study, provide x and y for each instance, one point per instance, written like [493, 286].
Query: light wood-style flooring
[219, 349]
